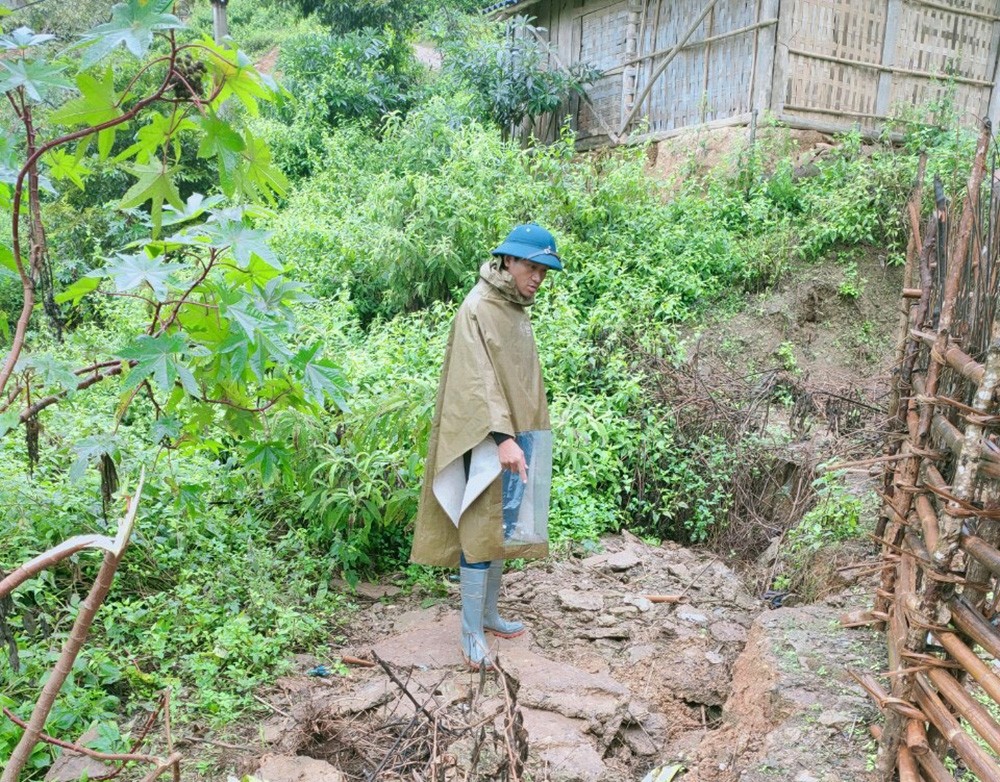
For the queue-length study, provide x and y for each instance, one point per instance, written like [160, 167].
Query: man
[489, 461]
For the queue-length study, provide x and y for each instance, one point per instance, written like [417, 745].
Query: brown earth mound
[609, 684]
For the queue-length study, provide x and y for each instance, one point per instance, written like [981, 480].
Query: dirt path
[606, 685]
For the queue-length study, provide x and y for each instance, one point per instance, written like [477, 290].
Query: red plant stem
[48, 401]
[84, 619]
[34, 153]
[65, 549]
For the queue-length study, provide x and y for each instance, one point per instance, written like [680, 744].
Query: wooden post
[762, 74]
[220, 25]
[779, 79]
[631, 50]
[993, 62]
[706, 74]
[883, 92]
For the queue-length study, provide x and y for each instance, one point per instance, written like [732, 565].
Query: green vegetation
[283, 411]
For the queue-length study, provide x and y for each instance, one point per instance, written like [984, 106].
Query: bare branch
[81, 627]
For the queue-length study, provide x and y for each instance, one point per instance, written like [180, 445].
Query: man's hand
[512, 458]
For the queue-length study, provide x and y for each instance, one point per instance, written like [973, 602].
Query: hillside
[224, 301]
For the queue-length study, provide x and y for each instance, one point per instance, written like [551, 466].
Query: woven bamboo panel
[969, 103]
[942, 42]
[606, 100]
[602, 44]
[729, 71]
[830, 87]
[823, 90]
[976, 6]
[704, 82]
[848, 29]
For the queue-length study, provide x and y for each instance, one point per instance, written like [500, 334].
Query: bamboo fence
[939, 597]
[827, 65]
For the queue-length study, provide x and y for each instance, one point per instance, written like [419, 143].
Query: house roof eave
[507, 7]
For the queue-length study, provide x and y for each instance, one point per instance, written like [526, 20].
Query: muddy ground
[608, 684]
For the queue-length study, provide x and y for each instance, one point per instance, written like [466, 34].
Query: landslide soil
[608, 684]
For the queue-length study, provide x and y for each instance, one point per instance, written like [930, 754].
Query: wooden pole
[967, 706]
[916, 738]
[655, 74]
[220, 24]
[964, 482]
[975, 758]
[972, 623]
[971, 663]
[78, 634]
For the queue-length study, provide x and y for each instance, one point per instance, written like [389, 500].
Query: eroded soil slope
[607, 684]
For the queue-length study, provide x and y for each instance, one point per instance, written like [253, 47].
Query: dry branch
[971, 622]
[973, 711]
[78, 634]
[970, 661]
[988, 556]
[916, 737]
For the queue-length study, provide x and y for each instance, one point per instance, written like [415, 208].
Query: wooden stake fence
[940, 521]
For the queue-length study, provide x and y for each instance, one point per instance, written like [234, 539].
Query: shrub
[508, 70]
[359, 77]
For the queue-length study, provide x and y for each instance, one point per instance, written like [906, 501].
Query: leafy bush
[359, 78]
[344, 16]
[508, 70]
[835, 516]
[260, 27]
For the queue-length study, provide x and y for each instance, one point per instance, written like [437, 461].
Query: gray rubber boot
[491, 618]
[473, 589]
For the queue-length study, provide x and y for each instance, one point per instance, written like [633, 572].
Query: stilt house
[826, 65]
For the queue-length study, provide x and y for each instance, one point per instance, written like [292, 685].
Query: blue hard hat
[532, 243]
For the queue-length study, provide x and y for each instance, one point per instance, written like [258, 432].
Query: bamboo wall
[829, 65]
[940, 595]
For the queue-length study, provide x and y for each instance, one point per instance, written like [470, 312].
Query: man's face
[528, 275]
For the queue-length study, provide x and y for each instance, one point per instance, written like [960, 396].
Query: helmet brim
[528, 252]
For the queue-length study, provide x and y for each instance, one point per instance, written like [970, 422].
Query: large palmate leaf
[53, 373]
[132, 25]
[194, 207]
[36, 77]
[162, 132]
[238, 75]
[96, 104]
[155, 185]
[244, 242]
[24, 38]
[131, 271]
[321, 378]
[78, 290]
[91, 449]
[63, 165]
[159, 358]
[271, 459]
[256, 177]
[221, 141]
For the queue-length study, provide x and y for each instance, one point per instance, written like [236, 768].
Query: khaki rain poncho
[491, 382]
